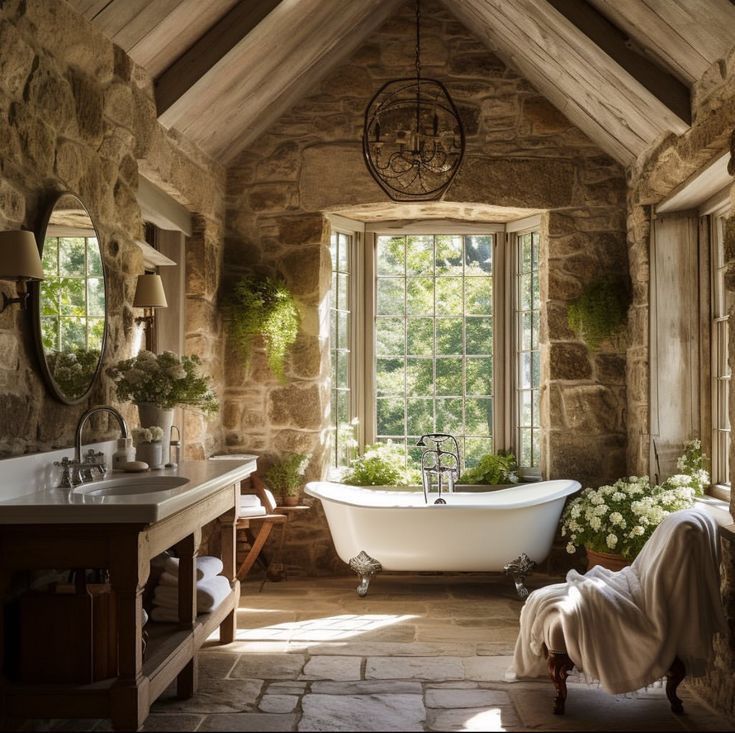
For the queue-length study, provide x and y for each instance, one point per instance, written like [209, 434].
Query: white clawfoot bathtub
[376, 529]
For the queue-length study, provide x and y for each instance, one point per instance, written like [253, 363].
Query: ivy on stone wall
[600, 312]
[264, 307]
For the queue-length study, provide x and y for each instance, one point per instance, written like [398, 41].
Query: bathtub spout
[518, 569]
[365, 567]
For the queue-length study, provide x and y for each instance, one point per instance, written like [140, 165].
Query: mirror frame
[34, 288]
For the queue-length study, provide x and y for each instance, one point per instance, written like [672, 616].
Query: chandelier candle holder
[413, 140]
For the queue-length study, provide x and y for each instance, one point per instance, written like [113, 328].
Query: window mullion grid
[405, 348]
[434, 328]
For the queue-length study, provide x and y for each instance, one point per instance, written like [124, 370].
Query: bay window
[443, 337]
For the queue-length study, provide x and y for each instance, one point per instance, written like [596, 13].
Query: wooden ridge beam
[616, 44]
[216, 43]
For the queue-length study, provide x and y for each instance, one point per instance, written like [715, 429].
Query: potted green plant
[600, 312]
[263, 307]
[614, 521]
[286, 477]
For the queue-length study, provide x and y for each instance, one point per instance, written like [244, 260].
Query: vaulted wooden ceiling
[225, 70]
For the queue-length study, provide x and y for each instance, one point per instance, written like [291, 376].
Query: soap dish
[135, 466]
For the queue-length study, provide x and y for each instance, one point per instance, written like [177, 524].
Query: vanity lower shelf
[169, 649]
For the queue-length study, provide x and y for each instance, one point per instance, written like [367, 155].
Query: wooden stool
[259, 528]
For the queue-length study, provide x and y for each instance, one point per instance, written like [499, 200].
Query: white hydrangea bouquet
[621, 517]
[153, 434]
[165, 380]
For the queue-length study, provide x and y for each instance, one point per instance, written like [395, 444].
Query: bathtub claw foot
[518, 569]
[365, 566]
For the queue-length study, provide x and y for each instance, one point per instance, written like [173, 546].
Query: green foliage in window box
[381, 464]
[492, 469]
[265, 307]
[600, 312]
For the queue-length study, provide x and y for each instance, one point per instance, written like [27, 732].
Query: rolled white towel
[210, 593]
[165, 615]
[248, 500]
[168, 579]
[207, 566]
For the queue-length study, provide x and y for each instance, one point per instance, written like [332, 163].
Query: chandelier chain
[418, 40]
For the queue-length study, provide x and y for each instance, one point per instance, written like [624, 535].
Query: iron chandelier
[413, 140]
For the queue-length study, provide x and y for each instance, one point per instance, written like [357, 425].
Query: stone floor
[418, 653]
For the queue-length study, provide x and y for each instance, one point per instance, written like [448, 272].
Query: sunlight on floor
[491, 719]
[328, 628]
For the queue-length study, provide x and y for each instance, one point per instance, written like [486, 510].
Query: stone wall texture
[77, 114]
[521, 152]
[651, 179]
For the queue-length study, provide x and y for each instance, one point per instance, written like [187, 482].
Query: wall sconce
[149, 294]
[19, 262]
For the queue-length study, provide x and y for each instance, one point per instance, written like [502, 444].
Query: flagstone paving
[420, 652]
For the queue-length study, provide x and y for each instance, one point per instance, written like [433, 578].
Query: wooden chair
[258, 529]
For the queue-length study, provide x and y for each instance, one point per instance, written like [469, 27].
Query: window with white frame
[720, 333]
[341, 416]
[434, 340]
[451, 340]
[527, 422]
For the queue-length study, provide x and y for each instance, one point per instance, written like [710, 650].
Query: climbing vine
[265, 307]
[600, 311]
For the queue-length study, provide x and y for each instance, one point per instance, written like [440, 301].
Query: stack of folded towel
[212, 588]
[250, 506]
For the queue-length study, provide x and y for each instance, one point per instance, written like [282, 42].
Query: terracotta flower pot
[290, 500]
[610, 560]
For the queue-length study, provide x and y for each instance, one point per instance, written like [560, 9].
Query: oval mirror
[70, 303]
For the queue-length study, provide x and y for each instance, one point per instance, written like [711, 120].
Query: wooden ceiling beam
[616, 44]
[214, 45]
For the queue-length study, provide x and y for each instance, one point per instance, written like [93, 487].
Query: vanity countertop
[67, 506]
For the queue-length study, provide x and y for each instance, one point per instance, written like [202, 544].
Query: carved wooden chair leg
[673, 679]
[560, 665]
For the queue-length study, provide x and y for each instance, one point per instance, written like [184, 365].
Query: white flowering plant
[165, 380]
[154, 434]
[621, 517]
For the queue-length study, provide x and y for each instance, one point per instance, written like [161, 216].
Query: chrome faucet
[78, 471]
[440, 466]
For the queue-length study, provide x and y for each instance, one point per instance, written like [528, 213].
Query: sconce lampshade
[149, 292]
[19, 258]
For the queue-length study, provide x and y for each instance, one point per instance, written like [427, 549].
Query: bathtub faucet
[436, 461]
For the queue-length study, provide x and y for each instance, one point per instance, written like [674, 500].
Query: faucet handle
[69, 473]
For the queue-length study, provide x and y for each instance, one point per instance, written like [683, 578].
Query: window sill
[720, 491]
[718, 509]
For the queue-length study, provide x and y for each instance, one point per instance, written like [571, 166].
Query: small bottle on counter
[124, 454]
[174, 448]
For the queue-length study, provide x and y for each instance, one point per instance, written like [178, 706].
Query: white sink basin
[131, 485]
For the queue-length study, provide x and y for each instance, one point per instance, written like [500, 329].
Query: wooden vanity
[61, 540]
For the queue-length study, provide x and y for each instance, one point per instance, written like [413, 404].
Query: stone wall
[76, 114]
[521, 152]
[655, 175]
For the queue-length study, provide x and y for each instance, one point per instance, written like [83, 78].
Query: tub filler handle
[518, 569]
[365, 566]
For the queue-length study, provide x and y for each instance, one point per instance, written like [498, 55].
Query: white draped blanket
[624, 629]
